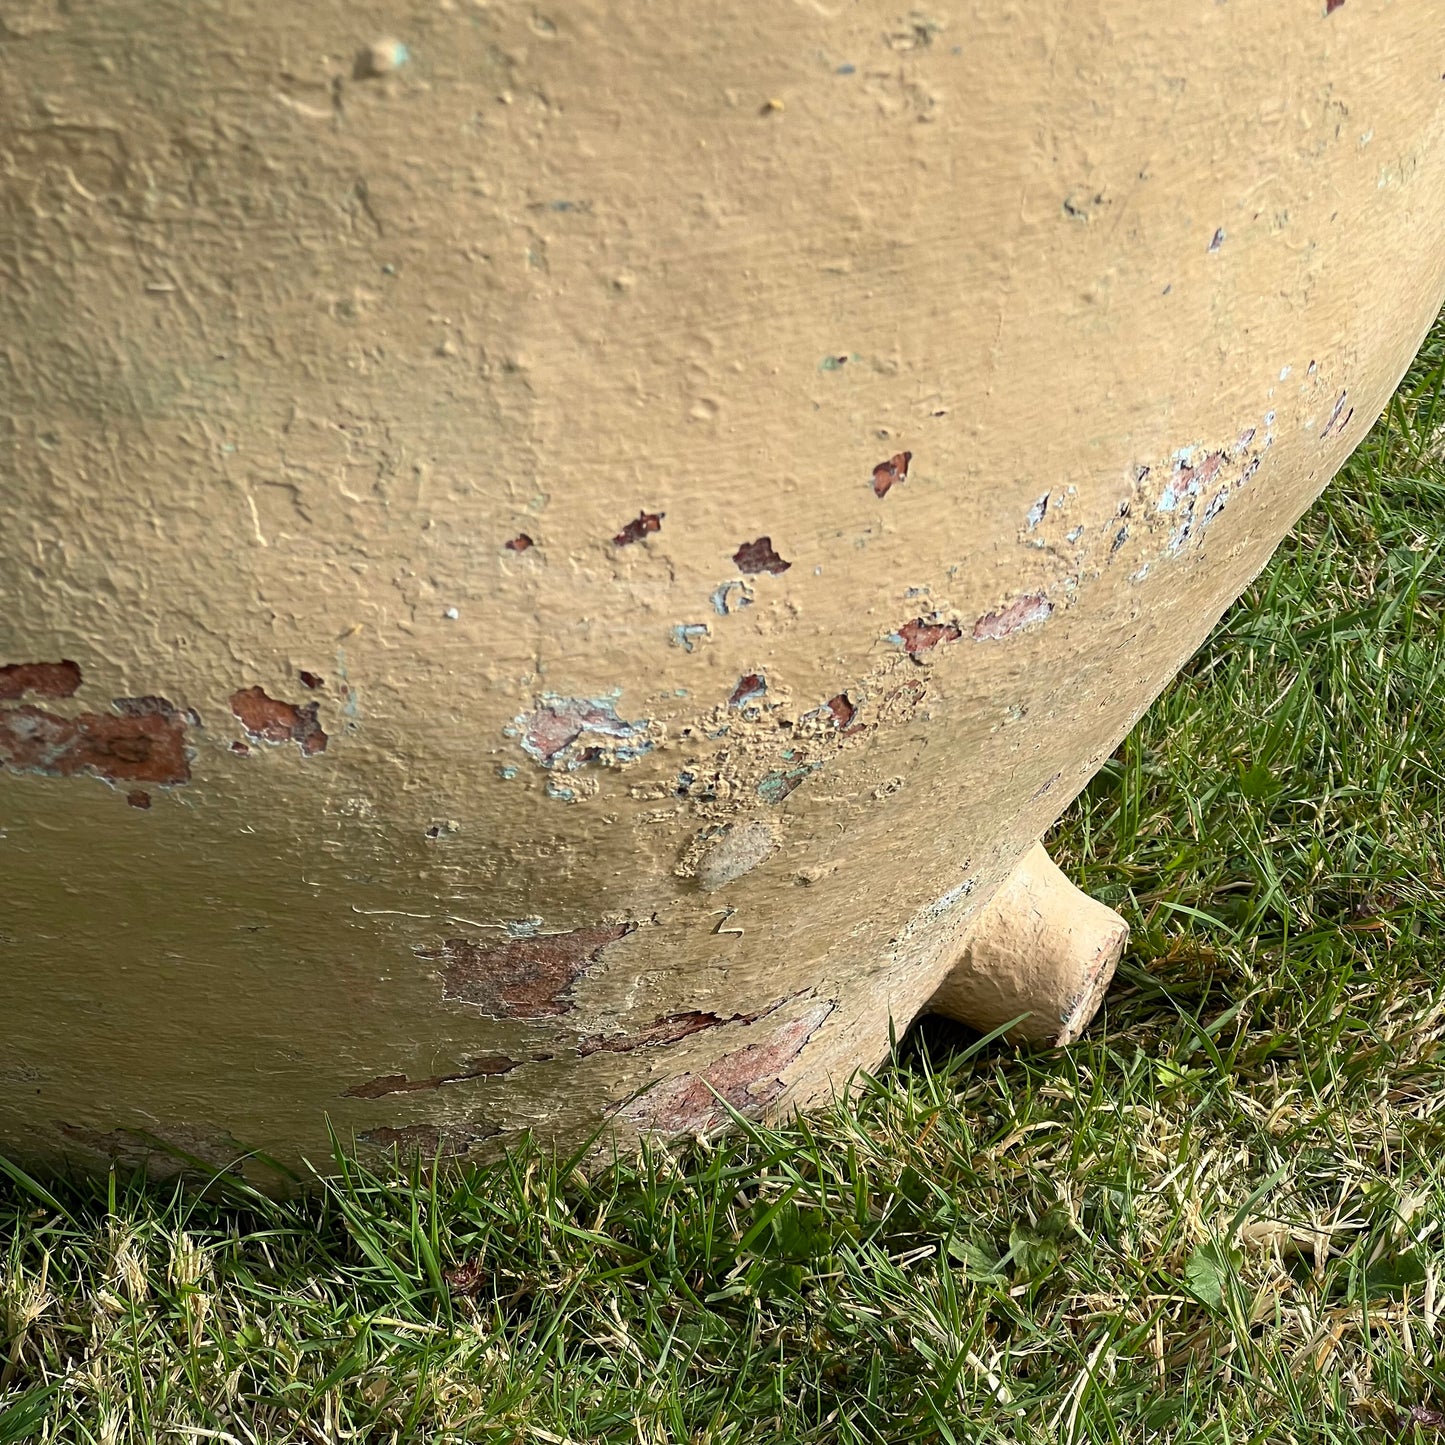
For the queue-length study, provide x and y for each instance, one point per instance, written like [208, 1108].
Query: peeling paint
[732, 596]
[568, 732]
[150, 705]
[779, 783]
[670, 1029]
[887, 475]
[146, 749]
[523, 543]
[1036, 512]
[521, 978]
[44, 679]
[752, 687]
[311, 680]
[1025, 612]
[739, 849]
[269, 720]
[641, 526]
[687, 635]
[759, 556]
[486, 1067]
[138, 798]
[747, 1079]
[923, 634]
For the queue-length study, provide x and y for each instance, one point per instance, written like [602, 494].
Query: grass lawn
[1221, 1217]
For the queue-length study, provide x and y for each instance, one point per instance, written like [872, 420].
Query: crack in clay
[483, 1068]
[670, 1029]
[269, 720]
[428, 1140]
[521, 978]
[746, 1079]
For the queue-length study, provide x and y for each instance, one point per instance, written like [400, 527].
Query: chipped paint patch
[269, 720]
[1025, 612]
[642, 525]
[152, 706]
[923, 634]
[671, 1029]
[778, 783]
[486, 1067]
[687, 635]
[568, 732]
[521, 543]
[146, 749]
[1036, 513]
[740, 848]
[759, 556]
[752, 687]
[887, 475]
[747, 1079]
[521, 978]
[44, 679]
[732, 596]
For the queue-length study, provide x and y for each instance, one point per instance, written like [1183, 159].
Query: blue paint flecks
[846, 70]
[686, 634]
[778, 784]
[567, 732]
[731, 596]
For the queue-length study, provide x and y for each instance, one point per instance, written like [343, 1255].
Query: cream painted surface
[309, 310]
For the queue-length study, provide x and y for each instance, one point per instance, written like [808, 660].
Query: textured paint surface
[457, 479]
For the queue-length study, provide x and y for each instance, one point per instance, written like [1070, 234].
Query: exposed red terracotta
[138, 798]
[921, 635]
[1021, 613]
[842, 709]
[149, 705]
[887, 474]
[146, 749]
[670, 1029]
[521, 542]
[267, 719]
[751, 686]
[313, 680]
[525, 978]
[44, 679]
[759, 556]
[639, 527]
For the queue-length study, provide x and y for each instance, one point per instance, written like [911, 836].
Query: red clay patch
[146, 749]
[44, 679]
[1023, 613]
[759, 556]
[522, 978]
[886, 475]
[268, 720]
[920, 635]
[522, 542]
[638, 528]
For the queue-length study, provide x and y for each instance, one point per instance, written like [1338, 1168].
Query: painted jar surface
[552, 551]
